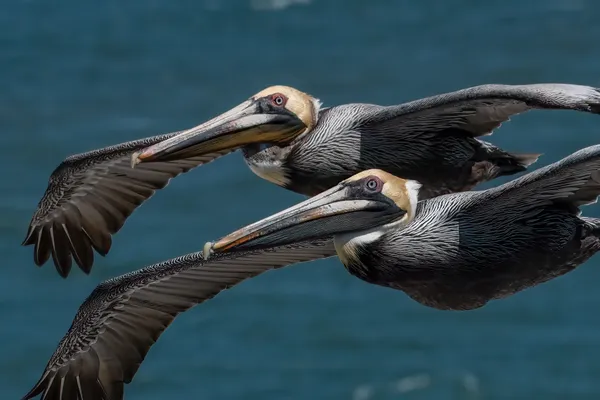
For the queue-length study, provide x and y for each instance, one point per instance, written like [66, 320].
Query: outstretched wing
[479, 110]
[573, 181]
[89, 197]
[123, 317]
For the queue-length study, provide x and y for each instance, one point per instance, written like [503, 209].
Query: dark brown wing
[123, 317]
[89, 197]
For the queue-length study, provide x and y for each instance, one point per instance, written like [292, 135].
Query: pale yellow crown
[303, 105]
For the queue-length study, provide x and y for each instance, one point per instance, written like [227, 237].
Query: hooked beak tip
[135, 159]
[207, 250]
[139, 157]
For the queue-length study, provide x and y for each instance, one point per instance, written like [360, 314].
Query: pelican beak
[337, 210]
[250, 122]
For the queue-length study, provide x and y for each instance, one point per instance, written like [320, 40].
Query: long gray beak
[332, 212]
[240, 126]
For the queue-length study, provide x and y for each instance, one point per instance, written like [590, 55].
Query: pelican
[453, 252]
[287, 138]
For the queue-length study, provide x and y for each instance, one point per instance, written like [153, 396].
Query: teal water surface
[81, 75]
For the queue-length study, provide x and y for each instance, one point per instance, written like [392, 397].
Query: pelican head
[370, 201]
[276, 115]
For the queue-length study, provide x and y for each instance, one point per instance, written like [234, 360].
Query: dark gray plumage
[453, 252]
[309, 149]
[123, 317]
[89, 197]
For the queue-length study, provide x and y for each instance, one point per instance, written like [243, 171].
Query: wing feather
[573, 181]
[479, 110]
[90, 196]
[123, 317]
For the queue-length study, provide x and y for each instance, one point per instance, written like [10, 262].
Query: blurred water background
[75, 76]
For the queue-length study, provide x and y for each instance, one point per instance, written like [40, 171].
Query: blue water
[75, 76]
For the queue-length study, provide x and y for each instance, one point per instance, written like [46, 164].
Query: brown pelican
[453, 252]
[123, 317]
[308, 149]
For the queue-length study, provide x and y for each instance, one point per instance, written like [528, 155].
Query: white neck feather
[316, 104]
[412, 189]
[348, 244]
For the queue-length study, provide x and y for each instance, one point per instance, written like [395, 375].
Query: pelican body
[310, 149]
[434, 140]
[453, 252]
[287, 138]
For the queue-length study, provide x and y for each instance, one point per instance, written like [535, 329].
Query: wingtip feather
[594, 103]
[527, 159]
[28, 237]
[37, 389]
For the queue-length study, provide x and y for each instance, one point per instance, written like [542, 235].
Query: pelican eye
[373, 184]
[278, 99]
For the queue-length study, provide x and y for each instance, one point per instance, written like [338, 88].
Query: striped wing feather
[123, 317]
[90, 196]
[479, 110]
[573, 181]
